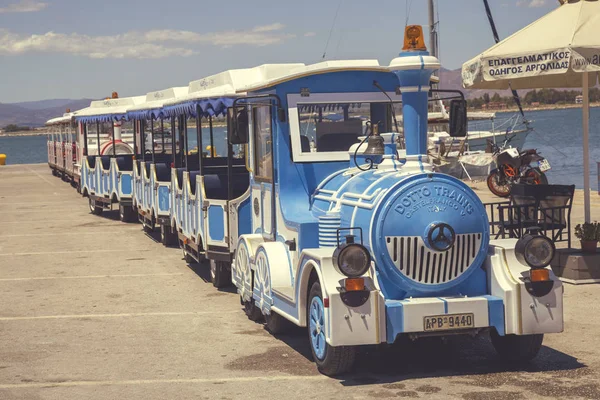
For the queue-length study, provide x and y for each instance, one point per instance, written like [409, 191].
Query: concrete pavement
[92, 308]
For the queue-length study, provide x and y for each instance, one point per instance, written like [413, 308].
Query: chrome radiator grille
[421, 264]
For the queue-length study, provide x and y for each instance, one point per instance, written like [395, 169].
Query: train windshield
[333, 127]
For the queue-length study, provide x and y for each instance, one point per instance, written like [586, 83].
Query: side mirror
[237, 126]
[458, 118]
[281, 114]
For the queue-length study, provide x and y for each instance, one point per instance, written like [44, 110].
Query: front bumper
[407, 316]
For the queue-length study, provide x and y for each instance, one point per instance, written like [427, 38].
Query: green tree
[486, 98]
[11, 128]
[496, 98]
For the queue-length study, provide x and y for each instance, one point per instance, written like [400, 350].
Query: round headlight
[535, 251]
[352, 260]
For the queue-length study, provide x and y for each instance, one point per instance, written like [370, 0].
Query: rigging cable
[331, 29]
[497, 39]
[408, 7]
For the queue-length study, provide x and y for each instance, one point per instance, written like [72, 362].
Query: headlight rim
[522, 245]
[339, 251]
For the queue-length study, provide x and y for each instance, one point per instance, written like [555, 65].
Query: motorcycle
[514, 166]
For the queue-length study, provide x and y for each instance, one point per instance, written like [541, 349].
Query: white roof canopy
[66, 118]
[158, 98]
[110, 106]
[230, 83]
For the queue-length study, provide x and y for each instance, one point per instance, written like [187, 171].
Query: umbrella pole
[586, 151]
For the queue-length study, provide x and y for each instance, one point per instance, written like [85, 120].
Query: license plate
[448, 322]
[544, 165]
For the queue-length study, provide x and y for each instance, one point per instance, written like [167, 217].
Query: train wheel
[220, 274]
[126, 213]
[276, 324]
[148, 228]
[188, 257]
[516, 348]
[261, 286]
[94, 208]
[252, 312]
[242, 273]
[330, 360]
[167, 236]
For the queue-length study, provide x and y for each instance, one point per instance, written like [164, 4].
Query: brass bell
[375, 144]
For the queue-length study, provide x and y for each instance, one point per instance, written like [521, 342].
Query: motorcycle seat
[530, 151]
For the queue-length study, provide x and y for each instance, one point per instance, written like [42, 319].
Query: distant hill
[42, 104]
[36, 113]
[452, 80]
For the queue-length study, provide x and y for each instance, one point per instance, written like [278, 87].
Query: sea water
[557, 135]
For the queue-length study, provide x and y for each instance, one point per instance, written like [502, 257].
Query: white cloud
[531, 3]
[23, 6]
[150, 44]
[310, 34]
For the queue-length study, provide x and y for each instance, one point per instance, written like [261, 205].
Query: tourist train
[306, 203]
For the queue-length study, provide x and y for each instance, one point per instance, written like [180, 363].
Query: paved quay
[91, 308]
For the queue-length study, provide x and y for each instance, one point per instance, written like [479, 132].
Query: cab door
[263, 189]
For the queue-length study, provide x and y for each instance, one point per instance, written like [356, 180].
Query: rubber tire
[220, 274]
[276, 324]
[150, 228]
[126, 213]
[252, 312]
[516, 348]
[540, 174]
[94, 209]
[187, 256]
[490, 185]
[337, 360]
[167, 237]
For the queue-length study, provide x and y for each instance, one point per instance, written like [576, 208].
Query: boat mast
[433, 46]
[432, 31]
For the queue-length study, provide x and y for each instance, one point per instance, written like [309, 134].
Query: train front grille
[421, 264]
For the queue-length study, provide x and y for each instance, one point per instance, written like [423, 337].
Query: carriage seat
[105, 160]
[163, 172]
[125, 162]
[91, 161]
[216, 185]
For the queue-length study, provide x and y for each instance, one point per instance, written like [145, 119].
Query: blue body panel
[216, 229]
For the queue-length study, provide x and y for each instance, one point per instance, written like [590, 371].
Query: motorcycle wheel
[534, 177]
[496, 186]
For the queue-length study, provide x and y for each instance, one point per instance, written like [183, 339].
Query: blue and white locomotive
[363, 243]
[317, 218]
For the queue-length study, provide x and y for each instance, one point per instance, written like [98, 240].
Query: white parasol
[561, 49]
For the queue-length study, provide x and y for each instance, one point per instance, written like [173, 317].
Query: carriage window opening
[263, 158]
[219, 137]
[331, 127]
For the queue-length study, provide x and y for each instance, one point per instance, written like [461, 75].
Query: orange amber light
[540, 275]
[355, 284]
[413, 38]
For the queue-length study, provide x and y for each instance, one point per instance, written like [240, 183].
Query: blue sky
[84, 48]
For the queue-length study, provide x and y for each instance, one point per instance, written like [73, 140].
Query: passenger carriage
[61, 146]
[156, 151]
[210, 196]
[107, 166]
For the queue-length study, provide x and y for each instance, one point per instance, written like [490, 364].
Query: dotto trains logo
[206, 83]
[435, 200]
